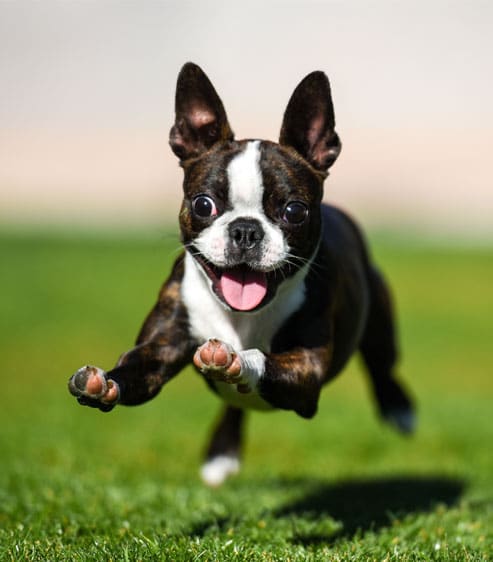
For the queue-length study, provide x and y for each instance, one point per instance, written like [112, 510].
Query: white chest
[209, 318]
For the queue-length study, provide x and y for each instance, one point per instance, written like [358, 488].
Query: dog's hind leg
[379, 350]
[222, 457]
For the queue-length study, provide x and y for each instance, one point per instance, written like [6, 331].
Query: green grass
[76, 484]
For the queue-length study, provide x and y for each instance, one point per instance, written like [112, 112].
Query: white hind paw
[217, 469]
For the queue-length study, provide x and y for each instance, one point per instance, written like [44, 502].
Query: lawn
[77, 484]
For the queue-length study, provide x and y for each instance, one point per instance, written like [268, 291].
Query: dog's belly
[250, 401]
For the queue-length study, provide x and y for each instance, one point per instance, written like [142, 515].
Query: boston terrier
[274, 290]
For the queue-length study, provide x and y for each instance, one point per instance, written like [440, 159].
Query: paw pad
[90, 384]
[218, 361]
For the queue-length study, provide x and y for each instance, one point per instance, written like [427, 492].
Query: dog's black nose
[245, 233]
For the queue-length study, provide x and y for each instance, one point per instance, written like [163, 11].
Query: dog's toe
[215, 354]
[91, 386]
[218, 360]
[88, 381]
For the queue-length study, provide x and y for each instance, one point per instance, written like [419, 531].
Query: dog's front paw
[218, 361]
[92, 387]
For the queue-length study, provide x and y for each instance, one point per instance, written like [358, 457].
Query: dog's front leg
[139, 374]
[291, 380]
[163, 348]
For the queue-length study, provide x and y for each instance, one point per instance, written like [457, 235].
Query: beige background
[86, 102]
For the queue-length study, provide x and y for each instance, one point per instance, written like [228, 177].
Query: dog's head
[251, 209]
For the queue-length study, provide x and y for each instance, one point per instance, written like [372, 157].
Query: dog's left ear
[201, 120]
[308, 124]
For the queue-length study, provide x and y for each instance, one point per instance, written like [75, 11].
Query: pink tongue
[243, 289]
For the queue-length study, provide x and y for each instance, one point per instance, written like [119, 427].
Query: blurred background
[87, 94]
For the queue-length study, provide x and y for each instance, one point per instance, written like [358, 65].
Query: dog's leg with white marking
[290, 380]
[219, 362]
[223, 454]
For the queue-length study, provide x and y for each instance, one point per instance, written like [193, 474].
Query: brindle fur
[347, 305]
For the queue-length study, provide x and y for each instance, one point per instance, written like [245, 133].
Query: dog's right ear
[200, 119]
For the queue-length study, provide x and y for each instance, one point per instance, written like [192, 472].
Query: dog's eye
[295, 212]
[204, 206]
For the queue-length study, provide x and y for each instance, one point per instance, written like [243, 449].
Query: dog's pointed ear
[308, 124]
[200, 119]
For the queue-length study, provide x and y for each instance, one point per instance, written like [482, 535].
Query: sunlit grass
[76, 484]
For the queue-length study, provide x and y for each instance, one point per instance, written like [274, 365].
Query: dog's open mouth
[241, 287]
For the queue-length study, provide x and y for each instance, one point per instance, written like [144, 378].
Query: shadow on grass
[352, 507]
[363, 505]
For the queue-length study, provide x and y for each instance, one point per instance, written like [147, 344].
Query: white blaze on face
[245, 195]
[246, 187]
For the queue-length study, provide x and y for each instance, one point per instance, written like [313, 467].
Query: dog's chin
[242, 287]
